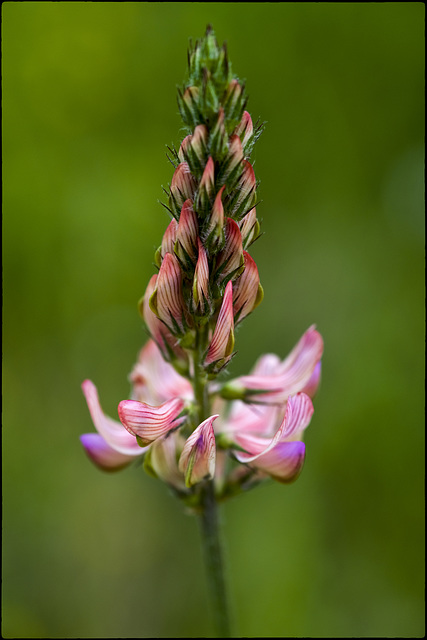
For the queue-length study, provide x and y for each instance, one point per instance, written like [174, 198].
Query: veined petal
[168, 303]
[154, 380]
[199, 141]
[299, 410]
[104, 456]
[247, 293]
[182, 186]
[157, 329]
[187, 232]
[111, 430]
[289, 377]
[313, 384]
[183, 149]
[249, 228]
[215, 224]
[245, 191]
[169, 238]
[201, 282]
[284, 462]
[255, 419]
[222, 342]
[150, 423]
[235, 156]
[197, 460]
[208, 178]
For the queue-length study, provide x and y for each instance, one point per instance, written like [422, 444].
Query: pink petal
[169, 303]
[111, 430]
[104, 456]
[231, 257]
[197, 460]
[222, 342]
[188, 230]
[155, 381]
[246, 293]
[147, 422]
[284, 462]
[290, 376]
[299, 410]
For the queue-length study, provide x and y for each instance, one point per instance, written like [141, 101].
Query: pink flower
[262, 428]
[274, 381]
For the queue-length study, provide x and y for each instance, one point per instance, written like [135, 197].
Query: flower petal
[147, 422]
[288, 377]
[154, 380]
[284, 462]
[299, 410]
[111, 430]
[197, 460]
[222, 342]
[104, 456]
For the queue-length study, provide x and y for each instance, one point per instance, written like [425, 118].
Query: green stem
[210, 524]
[214, 560]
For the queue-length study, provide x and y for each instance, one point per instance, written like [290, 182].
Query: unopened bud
[245, 129]
[222, 343]
[247, 292]
[197, 460]
[182, 188]
[187, 235]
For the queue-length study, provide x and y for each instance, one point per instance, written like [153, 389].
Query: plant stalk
[209, 516]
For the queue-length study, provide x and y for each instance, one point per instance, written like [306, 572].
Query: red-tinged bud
[218, 138]
[187, 234]
[199, 142]
[222, 343]
[249, 228]
[230, 261]
[167, 301]
[182, 188]
[206, 188]
[201, 298]
[235, 157]
[247, 292]
[244, 196]
[245, 129]
[214, 231]
[158, 331]
[233, 99]
[197, 460]
[169, 238]
[188, 106]
[183, 149]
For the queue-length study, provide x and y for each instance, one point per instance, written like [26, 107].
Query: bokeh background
[89, 103]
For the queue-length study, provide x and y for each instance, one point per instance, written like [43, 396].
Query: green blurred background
[89, 103]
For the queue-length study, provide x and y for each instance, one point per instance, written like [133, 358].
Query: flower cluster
[187, 425]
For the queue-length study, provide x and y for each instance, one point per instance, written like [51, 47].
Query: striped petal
[167, 301]
[197, 460]
[201, 282]
[222, 342]
[289, 377]
[245, 128]
[247, 293]
[230, 260]
[187, 233]
[110, 430]
[299, 410]
[149, 423]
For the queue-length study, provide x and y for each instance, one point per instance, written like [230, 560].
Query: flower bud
[206, 189]
[167, 301]
[222, 343]
[182, 188]
[243, 198]
[197, 460]
[234, 100]
[201, 297]
[214, 230]
[187, 235]
[231, 165]
[230, 261]
[247, 291]
[189, 107]
[158, 330]
[249, 228]
[218, 137]
[193, 149]
[245, 129]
